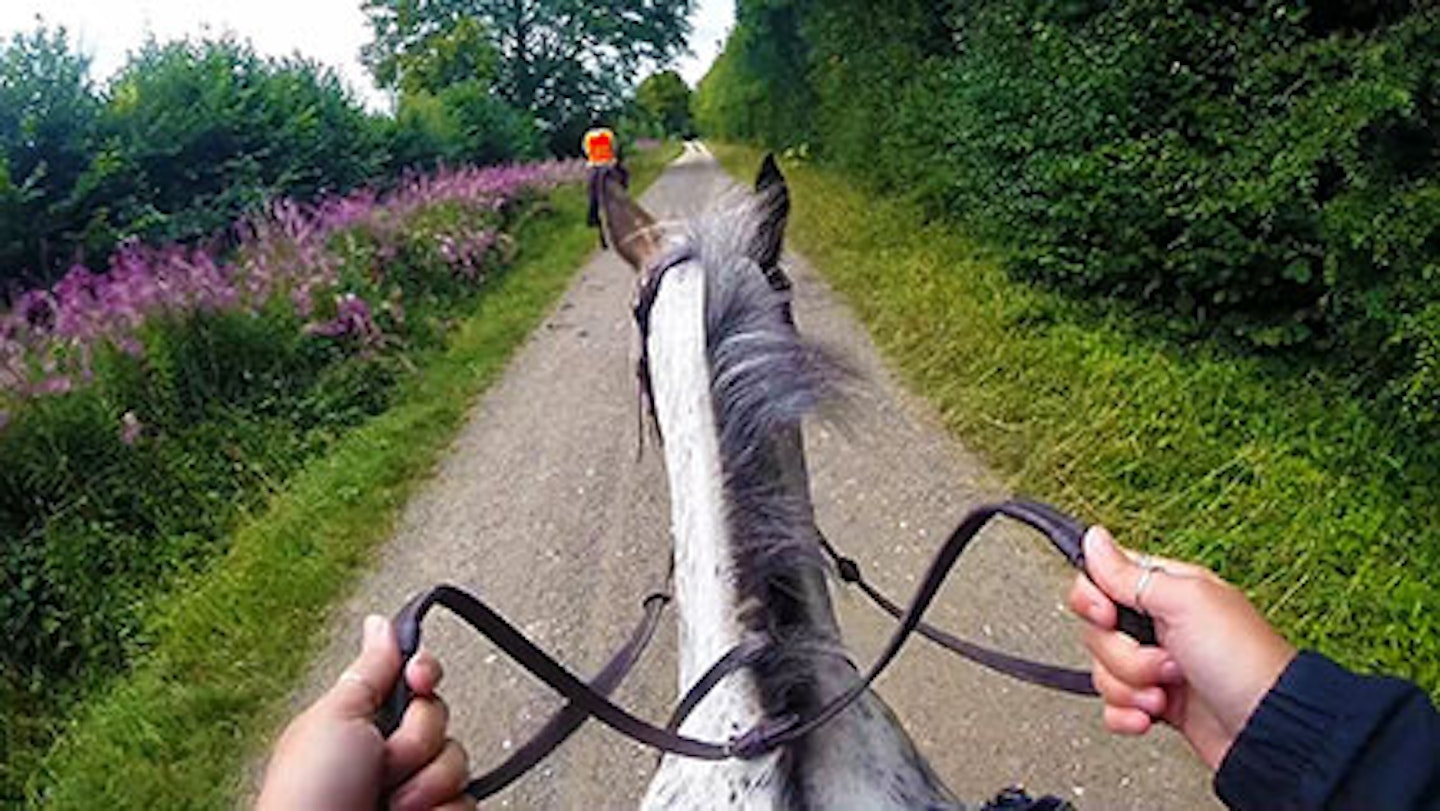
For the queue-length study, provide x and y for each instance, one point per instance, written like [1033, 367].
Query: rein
[585, 700]
[645, 297]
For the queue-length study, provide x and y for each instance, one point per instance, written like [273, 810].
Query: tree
[49, 115]
[461, 52]
[664, 99]
[562, 60]
[198, 133]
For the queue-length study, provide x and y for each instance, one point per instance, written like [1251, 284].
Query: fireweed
[50, 337]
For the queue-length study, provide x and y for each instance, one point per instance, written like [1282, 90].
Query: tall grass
[228, 645]
[1275, 476]
[147, 409]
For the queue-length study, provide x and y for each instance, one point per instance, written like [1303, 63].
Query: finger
[1109, 567]
[1149, 700]
[1173, 567]
[441, 781]
[1135, 664]
[423, 673]
[365, 684]
[420, 738]
[1125, 721]
[1091, 604]
[1120, 578]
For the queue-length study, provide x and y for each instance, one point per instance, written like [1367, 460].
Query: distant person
[602, 154]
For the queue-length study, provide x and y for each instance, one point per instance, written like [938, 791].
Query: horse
[728, 379]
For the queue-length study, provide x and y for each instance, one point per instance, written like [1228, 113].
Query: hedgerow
[1264, 172]
[145, 409]
[190, 136]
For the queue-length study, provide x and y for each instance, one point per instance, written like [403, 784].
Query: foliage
[1326, 513]
[49, 120]
[145, 409]
[663, 100]
[448, 109]
[227, 649]
[438, 58]
[1264, 172]
[198, 133]
[563, 61]
[191, 135]
[758, 87]
[461, 123]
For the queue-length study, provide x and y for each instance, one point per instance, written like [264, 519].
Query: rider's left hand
[332, 756]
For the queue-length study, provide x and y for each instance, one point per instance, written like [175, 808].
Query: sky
[328, 31]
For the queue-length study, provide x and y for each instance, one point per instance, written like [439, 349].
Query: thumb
[365, 684]
[1109, 567]
[1120, 577]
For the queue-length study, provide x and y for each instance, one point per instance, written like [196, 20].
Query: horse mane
[764, 380]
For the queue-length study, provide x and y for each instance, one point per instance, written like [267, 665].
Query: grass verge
[1274, 476]
[230, 646]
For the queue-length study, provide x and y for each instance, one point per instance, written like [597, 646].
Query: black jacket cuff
[1302, 739]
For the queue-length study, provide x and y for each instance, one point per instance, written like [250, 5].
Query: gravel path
[542, 508]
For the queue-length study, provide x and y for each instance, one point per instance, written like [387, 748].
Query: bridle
[586, 700]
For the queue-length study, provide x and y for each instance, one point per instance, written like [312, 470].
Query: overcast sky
[329, 31]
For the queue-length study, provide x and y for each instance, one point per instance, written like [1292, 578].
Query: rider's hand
[1216, 660]
[333, 757]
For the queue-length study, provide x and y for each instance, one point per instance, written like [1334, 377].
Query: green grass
[232, 643]
[1276, 476]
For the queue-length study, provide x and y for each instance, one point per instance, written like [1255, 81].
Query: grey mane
[764, 380]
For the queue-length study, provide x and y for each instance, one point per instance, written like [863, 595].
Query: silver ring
[1150, 568]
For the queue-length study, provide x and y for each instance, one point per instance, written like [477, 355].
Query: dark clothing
[1324, 737]
[596, 174]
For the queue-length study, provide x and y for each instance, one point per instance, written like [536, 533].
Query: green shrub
[49, 119]
[129, 478]
[191, 135]
[464, 122]
[202, 132]
[1262, 172]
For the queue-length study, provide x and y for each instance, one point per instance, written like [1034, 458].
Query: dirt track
[542, 508]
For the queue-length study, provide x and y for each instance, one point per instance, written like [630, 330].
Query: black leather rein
[587, 700]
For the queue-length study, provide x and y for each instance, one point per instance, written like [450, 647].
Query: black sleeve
[1324, 737]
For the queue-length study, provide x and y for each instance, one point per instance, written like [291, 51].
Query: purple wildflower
[352, 318]
[130, 428]
[60, 384]
[48, 338]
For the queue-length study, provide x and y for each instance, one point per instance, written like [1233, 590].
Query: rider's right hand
[1216, 660]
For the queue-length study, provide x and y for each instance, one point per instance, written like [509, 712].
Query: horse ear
[631, 229]
[774, 204]
[770, 175]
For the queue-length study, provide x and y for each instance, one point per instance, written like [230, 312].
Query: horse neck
[707, 602]
[707, 599]
[863, 754]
